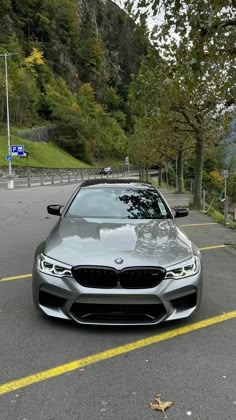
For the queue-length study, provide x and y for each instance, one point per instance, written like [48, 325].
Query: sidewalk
[174, 199]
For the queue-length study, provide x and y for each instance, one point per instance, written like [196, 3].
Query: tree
[143, 144]
[153, 94]
[23, 90]
[201, 57]
[232, 187]
[85, 128]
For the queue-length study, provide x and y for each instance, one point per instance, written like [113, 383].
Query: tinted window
[119, 203]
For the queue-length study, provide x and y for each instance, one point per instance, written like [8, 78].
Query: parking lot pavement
[195, 368]
[202, 230]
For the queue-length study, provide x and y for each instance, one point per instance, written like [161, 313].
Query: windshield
[118, 203]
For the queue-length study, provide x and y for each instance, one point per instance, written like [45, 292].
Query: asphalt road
[190, 362]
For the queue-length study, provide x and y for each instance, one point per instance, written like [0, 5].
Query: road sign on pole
[17, 150]
[14, 150]
[20, 150]
[25, 155]
[225, 173]
[9, 158]
[127, 162]
[10, 179]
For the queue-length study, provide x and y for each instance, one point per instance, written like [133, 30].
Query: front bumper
[66, 298]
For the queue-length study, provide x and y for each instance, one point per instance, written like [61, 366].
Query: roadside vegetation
[169, 103]
[64, 72]
[184, 95]
[45, 155]
[219, 218]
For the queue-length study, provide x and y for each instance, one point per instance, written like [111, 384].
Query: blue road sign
[127, 160]
[17, 150]
[9, 158]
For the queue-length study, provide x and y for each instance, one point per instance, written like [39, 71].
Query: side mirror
[181, 212]
[54, 209]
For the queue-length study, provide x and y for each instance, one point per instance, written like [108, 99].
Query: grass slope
[44, 155]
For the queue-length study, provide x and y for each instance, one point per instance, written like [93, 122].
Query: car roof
[115, 182]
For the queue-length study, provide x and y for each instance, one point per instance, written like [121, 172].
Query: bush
[231, 187]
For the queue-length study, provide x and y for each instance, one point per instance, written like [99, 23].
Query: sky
[151, 21]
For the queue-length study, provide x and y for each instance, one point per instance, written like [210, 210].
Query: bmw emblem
[119, 260]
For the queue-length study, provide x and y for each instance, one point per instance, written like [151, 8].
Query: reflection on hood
[99, 241]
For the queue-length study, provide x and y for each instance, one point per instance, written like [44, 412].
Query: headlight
[54, 268]
[186, 269]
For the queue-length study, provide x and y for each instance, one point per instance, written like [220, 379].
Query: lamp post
[10, 179]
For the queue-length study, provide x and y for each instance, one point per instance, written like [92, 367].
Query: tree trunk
[140, 172]
[167, 176]
[199, 160]
[160, 176]
[180, 171]
[146, 174]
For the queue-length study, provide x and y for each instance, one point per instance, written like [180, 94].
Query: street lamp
[10, 179]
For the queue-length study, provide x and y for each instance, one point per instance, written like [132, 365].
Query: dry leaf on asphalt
[161, 405]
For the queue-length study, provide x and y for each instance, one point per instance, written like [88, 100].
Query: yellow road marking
[198, 224]
[108, 354]
[23, 276]
[211, 247]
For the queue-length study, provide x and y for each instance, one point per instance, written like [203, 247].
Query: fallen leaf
[161, 405]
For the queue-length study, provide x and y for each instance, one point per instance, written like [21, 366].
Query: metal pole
[204, 201]
[10, 180]
[225, 202]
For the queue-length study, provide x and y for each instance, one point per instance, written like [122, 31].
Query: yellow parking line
[23, 276]
[198, 224]
[211, 247]
[108, 354]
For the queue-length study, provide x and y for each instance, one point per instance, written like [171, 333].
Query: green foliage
[219, 218]
[89, 132]
[216, 215]
[199, 78]
[73, 69]
[232, 187]
[56, 28]
[91, 57]
[44, 155]
[111, 98]
[23, 92]
[120, 117]
[144, 143]
[213, 182]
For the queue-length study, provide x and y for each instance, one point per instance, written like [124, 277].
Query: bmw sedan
[117, 257]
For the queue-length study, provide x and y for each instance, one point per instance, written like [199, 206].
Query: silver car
[116, 257]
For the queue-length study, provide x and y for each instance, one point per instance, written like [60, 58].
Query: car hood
[80, 241]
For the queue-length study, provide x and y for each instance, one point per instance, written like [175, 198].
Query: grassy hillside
[44, 155]
[66, 73]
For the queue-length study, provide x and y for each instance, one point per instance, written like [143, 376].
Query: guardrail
[34, 181]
